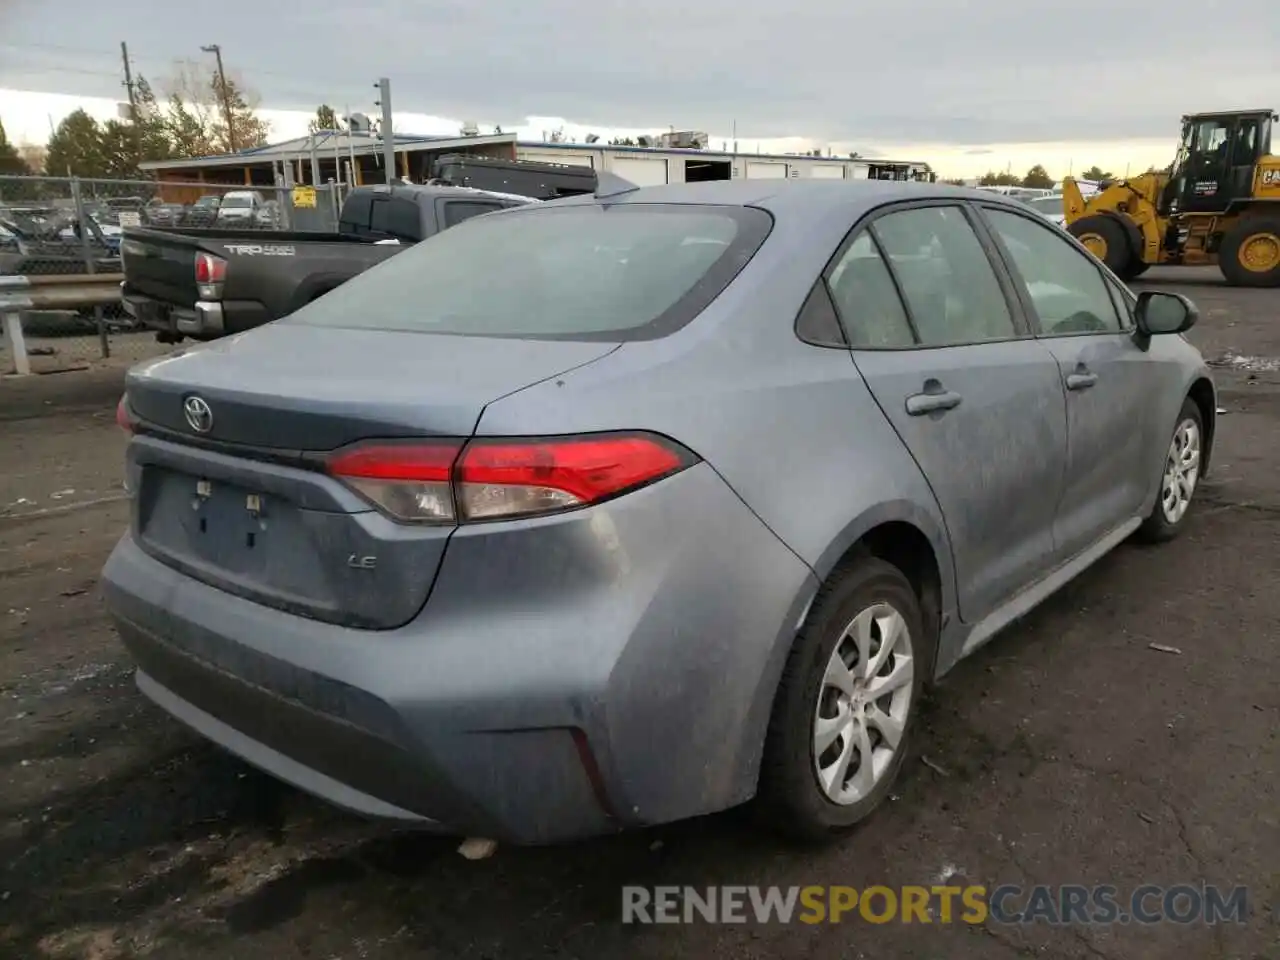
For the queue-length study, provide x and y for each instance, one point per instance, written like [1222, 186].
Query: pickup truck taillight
[456, 481]
[210, 272]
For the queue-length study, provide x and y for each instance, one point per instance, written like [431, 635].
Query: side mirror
[1157, 313]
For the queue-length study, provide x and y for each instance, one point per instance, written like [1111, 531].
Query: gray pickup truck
[204, 284]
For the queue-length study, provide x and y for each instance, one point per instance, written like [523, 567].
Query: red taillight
[514, 477]
[406, 481]
[123, 421]
[210, 269]
[445, 482]
[210, 272]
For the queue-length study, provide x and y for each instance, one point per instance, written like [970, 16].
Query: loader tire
[1250, 252]
[1105, 239]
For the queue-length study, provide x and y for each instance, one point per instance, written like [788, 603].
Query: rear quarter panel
[791, 427]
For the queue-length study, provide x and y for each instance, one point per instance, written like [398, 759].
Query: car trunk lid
[243, 503]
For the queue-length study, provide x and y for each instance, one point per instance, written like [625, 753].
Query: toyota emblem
[199, 416]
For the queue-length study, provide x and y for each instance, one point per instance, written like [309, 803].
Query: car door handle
[1081, 381]
[918, 404]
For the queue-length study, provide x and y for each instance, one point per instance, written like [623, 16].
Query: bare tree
[194, 116]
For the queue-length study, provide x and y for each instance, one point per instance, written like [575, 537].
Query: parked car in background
[106, 233]
[207, 283]
[164, 215]
[239, 207]
[604, 512]
[268, 215]
[8, 239]
[203, 212]
[1049, 207]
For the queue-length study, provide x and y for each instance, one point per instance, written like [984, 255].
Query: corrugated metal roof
[689, 151]
[327, 141]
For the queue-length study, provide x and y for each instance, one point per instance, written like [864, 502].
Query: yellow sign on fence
[304, 197]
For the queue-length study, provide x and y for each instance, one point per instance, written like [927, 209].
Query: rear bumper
[204, 320]
[570, 676]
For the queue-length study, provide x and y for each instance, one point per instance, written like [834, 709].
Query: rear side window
[455, 211]
[866, 299]
[395, 217]
[583, 272]
[355, 213]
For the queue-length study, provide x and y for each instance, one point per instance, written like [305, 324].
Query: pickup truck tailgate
[160, 265]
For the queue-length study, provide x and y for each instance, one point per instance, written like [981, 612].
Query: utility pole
[133, 99]
[128, 82]
[216, 50]
[388, 135]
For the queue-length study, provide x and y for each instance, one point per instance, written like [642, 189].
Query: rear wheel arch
[912, 544]
[891, 570]
[313, 288]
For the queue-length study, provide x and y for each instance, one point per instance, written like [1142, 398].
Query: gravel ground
[1067, 751]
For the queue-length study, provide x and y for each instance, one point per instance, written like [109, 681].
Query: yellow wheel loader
[1218, 203]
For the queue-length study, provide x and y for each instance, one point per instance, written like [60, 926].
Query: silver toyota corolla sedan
[630, 507]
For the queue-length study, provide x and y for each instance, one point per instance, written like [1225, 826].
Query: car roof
[801, 197]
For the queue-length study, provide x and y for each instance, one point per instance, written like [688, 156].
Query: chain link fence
[67, 225]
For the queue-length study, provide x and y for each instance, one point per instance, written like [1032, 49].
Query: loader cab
[1215, 161]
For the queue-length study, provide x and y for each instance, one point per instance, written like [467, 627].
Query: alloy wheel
[1181, 472]
[863, 704]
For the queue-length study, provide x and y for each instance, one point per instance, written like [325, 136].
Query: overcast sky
[910, 72]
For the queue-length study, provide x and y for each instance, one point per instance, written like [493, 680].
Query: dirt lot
[1070, 752]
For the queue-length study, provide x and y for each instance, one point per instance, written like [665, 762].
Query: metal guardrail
[53, 292]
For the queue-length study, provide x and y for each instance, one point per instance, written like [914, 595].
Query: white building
[650, 166]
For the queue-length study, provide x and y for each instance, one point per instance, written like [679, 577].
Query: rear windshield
[232, 202]
[588, 272]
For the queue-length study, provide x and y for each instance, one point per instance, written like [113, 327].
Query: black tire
[1159, 526]
[1246, 235]
[790, 798]
[1136, 269]
[1118, 254]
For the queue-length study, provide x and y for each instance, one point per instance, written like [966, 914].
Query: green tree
[1038, 178]
[76, 148]
[13, 165]
[11, 162]
[250, 130]
[126, 145]
[1096, 173]
[1002, 179]
[326, 118]
[187, 130]
[152, 134]
[622, 142]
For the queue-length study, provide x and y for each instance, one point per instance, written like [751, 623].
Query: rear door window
[946, 277]
[582, 272]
